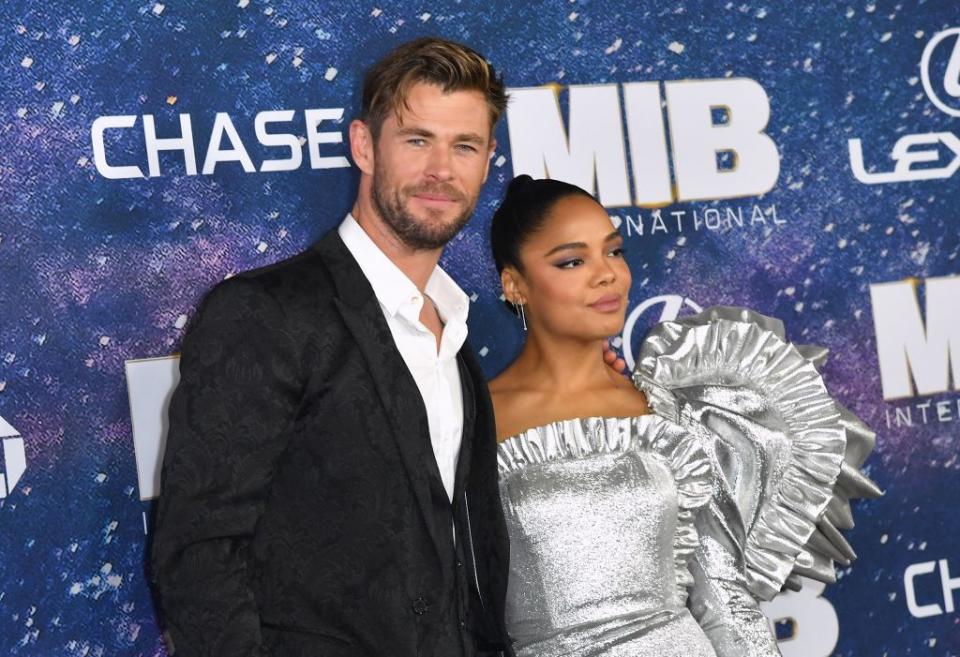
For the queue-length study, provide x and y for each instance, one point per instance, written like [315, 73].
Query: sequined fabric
[600, 514]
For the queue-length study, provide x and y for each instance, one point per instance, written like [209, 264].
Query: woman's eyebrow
[568, 245]
[580, 245]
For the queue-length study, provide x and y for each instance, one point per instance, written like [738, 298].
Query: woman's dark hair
[522, 212]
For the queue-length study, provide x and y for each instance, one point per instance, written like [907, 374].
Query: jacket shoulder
[305, 268]
[299, 287]
[299, 282]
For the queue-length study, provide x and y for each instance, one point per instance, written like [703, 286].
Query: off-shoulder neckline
[581, 419]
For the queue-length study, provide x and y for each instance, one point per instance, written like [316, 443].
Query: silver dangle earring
[518, 311]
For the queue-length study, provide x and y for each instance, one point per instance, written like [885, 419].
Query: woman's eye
[618, 252]
[570, 264]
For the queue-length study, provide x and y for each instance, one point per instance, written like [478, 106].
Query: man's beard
[419, 234]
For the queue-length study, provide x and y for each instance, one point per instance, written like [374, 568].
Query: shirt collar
[393, 289]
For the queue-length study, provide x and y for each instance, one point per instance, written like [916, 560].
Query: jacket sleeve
[239, 389]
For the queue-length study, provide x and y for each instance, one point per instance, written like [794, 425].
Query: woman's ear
[512, 284]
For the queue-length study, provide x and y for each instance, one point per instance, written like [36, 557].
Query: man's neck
[417, 265]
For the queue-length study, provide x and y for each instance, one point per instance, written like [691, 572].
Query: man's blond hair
[449, 65]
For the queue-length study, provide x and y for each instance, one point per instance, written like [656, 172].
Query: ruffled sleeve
[777, 442]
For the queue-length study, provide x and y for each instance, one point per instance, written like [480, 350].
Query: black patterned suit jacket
[299, 511]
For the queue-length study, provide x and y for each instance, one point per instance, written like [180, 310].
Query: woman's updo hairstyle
[522, 212]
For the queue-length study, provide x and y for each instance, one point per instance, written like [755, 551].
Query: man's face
[429, 164]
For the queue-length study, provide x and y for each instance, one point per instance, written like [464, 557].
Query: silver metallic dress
[658, 535]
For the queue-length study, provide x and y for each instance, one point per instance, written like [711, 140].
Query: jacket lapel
[468, 388]
[396, 389]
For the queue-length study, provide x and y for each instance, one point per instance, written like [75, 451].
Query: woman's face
[575, 280]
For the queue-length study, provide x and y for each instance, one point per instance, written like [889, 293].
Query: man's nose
[439, 163]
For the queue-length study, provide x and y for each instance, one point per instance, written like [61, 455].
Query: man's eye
[417, 141]
[466, 148]
[570, 264]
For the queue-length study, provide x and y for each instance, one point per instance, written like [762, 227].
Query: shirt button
[459, 564]
[420, 606]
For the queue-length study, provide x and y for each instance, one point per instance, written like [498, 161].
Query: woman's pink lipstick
[607, 304]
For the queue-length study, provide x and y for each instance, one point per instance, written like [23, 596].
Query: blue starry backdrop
[96, 271]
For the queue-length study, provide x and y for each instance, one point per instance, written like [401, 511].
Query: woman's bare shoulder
[513, 404]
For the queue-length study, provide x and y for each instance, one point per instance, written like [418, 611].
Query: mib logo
[717, 142]
[934, 155]
[917, 356]
[663, 308]
[14, 458]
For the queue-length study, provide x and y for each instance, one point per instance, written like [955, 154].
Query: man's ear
[512, 285]
[493, 147]
[362, 146]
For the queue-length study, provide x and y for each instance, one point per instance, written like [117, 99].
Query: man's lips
[607, 303]
[436, 195]
[434, 198]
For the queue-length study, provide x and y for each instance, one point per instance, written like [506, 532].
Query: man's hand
[615, 362]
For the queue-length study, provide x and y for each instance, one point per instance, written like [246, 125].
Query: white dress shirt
[435, 371]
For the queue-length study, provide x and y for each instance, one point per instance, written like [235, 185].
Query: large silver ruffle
[787, 452]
